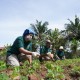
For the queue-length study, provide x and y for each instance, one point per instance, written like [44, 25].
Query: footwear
[40, 59]
[21, 64]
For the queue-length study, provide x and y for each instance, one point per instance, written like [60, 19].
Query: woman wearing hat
[60, 53]
[22, 44]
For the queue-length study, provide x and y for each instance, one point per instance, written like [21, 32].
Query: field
[68, 69]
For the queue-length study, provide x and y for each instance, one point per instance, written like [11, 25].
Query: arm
[64, 57]
[24, 51]
[56, 54]
[49, 53]
[20, 47]
[57, 57]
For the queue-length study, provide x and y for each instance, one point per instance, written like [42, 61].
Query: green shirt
[44, 50]
[60, 53]
[19, 43]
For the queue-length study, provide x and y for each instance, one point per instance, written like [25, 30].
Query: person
[22, 45]
[45, 51]
[60, 53]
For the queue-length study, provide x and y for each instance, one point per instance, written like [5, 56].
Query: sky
[17, 15]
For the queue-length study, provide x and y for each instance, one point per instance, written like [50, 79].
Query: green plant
[2, 65]
[54, 72]
[3, 76]
[75, 71]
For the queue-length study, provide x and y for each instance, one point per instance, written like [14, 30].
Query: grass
[68, 69]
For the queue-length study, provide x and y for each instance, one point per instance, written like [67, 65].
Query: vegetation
[68, 69]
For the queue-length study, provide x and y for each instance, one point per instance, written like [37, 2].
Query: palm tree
[56, 38]
[41, 30]
[73, 34]
[73, 29]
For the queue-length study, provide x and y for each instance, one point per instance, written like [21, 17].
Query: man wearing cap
[45, 51]
[60, 53]
[22, 44]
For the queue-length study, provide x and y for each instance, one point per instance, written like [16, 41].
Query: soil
[38, 75]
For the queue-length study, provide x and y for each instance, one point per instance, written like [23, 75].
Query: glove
[35, 54]
[48, 53]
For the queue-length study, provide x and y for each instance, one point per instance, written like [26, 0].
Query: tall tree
[73, 28]
[41, 30]
[56, 38]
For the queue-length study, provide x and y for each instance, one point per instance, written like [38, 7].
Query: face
[28, 37]
[61, 49]
[48, 44]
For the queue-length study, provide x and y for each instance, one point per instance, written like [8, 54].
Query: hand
[50, 55]
[35, 54]
[58, 58]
